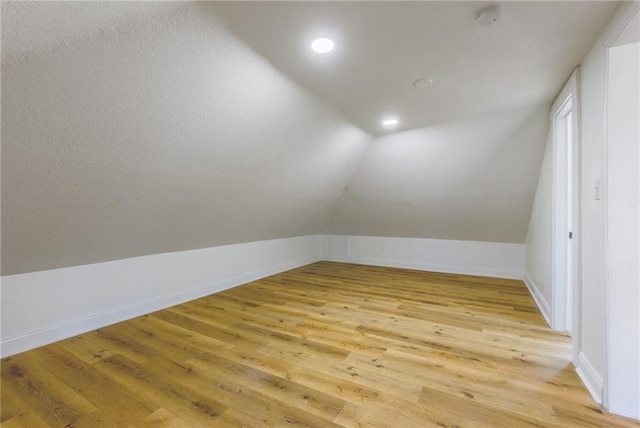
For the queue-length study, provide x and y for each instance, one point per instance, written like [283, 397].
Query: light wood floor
[324, 345]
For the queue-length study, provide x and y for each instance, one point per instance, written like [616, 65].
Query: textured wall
[164, 135]
[539, 245]
[43, 307]
[468, 180]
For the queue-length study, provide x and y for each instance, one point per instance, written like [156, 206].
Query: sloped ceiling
[163, 135]
[134, 128]
[383, 47]
[471, 180]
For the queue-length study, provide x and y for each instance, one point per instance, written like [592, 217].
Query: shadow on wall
[471, 180]
[164, 134]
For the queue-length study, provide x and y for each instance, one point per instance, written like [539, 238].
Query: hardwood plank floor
[328, 344]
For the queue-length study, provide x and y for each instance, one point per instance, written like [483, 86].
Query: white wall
[43, 307]
[592, 361]
[161, 134]
[623, 229]
[538, 245]
[438, 255]
[468, 180]
[593, 83]
[46, 306]
[592, 233]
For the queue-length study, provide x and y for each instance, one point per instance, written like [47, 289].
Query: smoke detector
[489, 15]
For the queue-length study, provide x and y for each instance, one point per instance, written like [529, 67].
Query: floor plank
[328, 344]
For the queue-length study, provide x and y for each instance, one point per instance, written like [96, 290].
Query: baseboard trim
[429, 267]
[543, 305]
[40, 337]
[590, 377]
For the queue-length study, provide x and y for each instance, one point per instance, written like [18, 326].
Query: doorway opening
[566, 256]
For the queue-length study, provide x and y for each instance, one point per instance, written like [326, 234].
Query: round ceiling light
[322, 45]
[389, 122]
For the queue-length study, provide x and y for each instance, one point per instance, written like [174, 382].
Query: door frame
[569, 98]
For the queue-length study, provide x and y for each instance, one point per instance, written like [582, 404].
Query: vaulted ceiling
[383, 47]
[133, 128]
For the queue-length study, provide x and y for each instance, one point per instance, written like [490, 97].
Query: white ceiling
[139, 128]
[382, 47]
[471, 180]
[165, 134]
[29, 27]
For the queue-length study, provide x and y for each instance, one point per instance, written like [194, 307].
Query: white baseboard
[429, 267]
[492, 259]
[290, 253]
[43, 307]
[543, 305]
[590, 377]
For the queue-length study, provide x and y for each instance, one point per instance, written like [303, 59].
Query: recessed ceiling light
[322, 45]
[389, 122]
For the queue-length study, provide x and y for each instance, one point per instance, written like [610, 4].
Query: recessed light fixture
[389, 122]
[322, 45]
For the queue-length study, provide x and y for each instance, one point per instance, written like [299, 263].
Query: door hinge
[570, 235]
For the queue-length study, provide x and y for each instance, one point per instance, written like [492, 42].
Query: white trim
[590, 377]
[326, 245]
[604, 196]
[491, 259]
[49, 306]
[139, 271]
[543, 305]
[429, 267]
[561, 245]
[43, 336]
[576, 328]
[632, 8]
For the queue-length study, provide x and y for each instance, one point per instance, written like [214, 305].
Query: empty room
[323, 214]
